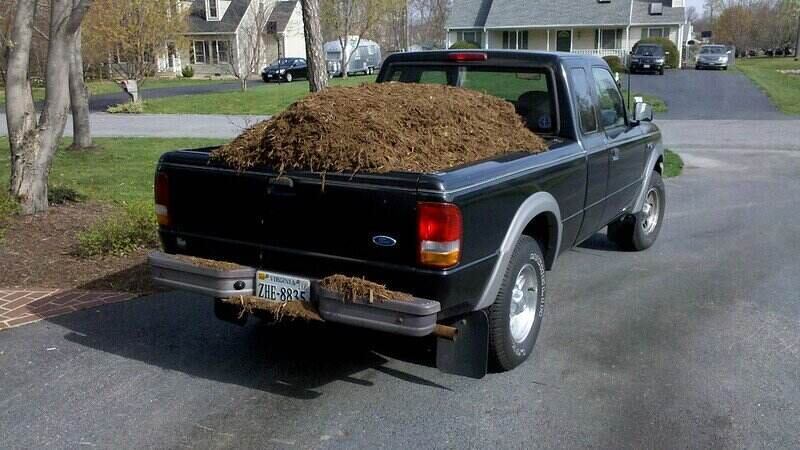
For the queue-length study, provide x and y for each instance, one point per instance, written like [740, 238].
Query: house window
[213, 9]
[222, 51]
[199, 52]
[515, 39]
[655, 32]
[469, 36]
[610, 39]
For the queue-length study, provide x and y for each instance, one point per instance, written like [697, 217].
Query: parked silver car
[713, 56]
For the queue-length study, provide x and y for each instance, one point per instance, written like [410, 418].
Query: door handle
[614, 154]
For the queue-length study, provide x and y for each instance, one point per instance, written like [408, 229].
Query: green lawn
[110, 87]
[783, 89]
[656, 102]
[120, 170]
[673, 164]
[260, 98]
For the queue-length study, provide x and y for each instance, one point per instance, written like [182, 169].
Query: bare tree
[353, 17]
[33, 140]
[692, 14]
[78, 97]
[252, 44]
[130, 34]
[317, 72]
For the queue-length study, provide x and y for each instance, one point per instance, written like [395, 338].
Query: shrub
[132, 228]
[8, 207]
[58, 195]
[615, 63]
[126, 108]
[187, 71]
[669, 46]
[464, 45]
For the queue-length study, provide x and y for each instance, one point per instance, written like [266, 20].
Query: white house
[599, 27]
[216, 31]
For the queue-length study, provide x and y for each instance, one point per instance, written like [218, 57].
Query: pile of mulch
[352, 288]
[280, 310]
[383, 127]
[37, 252]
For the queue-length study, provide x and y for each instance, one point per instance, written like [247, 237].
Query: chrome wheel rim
[524, 296]
[651, 209]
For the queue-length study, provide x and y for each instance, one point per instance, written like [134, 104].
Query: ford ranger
[471, 244]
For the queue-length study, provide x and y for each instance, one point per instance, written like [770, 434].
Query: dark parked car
[472, 243]
[286, 69]
[648, 58]
[712, 57]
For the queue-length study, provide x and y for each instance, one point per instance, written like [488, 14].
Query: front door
[564, 41]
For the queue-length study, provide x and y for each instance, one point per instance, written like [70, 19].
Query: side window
[612, 110]
[583, 101]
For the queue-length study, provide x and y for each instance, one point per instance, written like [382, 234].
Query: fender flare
[538, 203]
[655, 153]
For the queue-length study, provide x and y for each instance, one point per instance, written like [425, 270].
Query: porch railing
[620, 52]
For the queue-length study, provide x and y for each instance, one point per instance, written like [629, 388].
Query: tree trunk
[344, 56]
[317, 72]
[79, 98]
[34, 145]
[243, 82]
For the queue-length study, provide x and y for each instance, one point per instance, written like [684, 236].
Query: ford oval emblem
[384, 241]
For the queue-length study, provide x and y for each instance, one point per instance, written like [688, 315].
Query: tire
[229, 313]
[524, 279]
[289, 77]
[725, 68]
[639, 231]
[266, 80]
[661, 71]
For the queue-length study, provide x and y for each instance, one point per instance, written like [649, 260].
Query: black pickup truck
[472, 243]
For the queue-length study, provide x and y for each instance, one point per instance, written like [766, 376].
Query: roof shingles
[228, 24]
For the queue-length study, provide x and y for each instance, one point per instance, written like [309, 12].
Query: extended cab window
[612, 110]
[530, 90]
[583, 100]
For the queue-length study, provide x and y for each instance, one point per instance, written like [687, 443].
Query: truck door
[626, 151]
[594, 144]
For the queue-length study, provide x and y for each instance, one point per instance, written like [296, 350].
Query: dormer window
[212, 9]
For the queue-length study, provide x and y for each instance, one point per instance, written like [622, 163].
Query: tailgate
[292, 220]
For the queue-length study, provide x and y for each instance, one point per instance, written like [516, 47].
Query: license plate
[646, 66]
[280, 288]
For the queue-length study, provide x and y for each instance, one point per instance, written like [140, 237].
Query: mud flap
[468, 354]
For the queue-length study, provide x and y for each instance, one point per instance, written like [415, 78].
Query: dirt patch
[351, 288]
[37, 252]
[207, 263]
[383, 127]
[280, 310]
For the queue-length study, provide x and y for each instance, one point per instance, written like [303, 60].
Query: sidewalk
[161, 125]
[21, 307]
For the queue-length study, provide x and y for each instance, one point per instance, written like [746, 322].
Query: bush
[58, 195]
[8, 207]
[126, 108]
[669, 46]
[615, 63]
[187, 71]
[464, 45]
[132, 228]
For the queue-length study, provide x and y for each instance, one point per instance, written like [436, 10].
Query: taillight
[467, 56]
[162, 198]
[439, 230]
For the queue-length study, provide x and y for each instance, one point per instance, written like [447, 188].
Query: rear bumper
[416, 317]
[640, 67]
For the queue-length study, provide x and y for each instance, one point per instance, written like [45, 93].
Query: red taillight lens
[162, 198]
[439, 230]
[467, 56]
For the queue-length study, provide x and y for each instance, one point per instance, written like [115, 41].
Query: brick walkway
[24, 307]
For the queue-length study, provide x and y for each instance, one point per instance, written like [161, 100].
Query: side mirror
[666, 53]
[642, 112]
[729, 52]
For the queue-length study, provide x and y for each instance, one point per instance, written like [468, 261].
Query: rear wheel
[516, 315]
[639, 231]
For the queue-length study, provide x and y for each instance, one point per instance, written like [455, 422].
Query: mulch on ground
[383, 127]
[37, 252]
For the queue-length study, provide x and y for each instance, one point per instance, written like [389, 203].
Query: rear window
[530, 90]
[649, 50]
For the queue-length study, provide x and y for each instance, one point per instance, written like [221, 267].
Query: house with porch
[597, 27]
[216, 32]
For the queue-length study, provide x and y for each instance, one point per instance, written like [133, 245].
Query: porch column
[599, 35]
[680, 46]
[485, 39]
[548, 39]
[446, 38]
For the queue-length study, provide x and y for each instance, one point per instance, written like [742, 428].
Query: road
[693, 343]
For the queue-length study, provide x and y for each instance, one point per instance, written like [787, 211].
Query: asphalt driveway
[707, 95]
[693, 343]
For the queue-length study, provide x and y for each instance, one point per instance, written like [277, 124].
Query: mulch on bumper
[383, 127]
